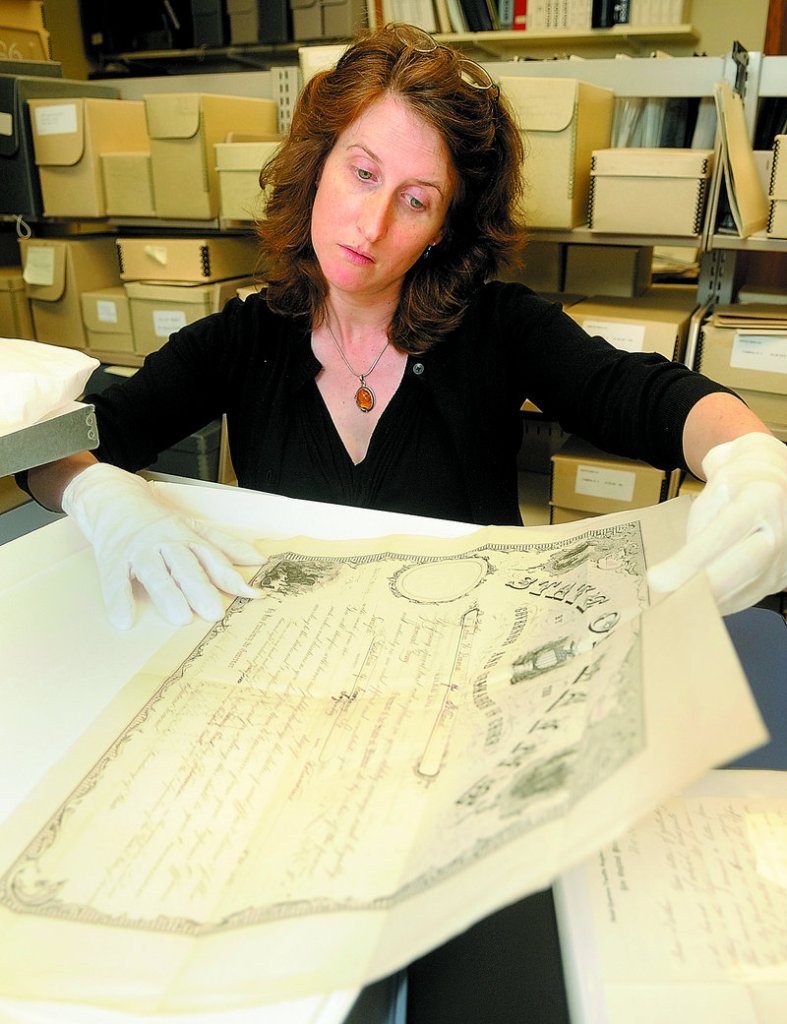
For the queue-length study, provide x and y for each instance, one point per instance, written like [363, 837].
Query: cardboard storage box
[617, 270]
[69, 136]
[183, 129]
[778, 184]
[649, 191]
[159, 310]
[586, 479]
[567, 515]
[657, 321]
[23, 32]
[128, 184]
[107, 320]
[327, 19]
[563, 121]
[690, 485]
[56, 271]
[186, 259]
[751, 361]
[777, 218]
[542, 267]
[238, 165]
[16, 320]
[777, 190]
[21, 189]
[259, 21]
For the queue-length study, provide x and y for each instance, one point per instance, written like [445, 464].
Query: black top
[445, 446]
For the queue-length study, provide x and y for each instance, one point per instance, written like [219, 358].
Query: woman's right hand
[184, 564]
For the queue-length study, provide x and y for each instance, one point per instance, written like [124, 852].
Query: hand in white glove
[135, 533]
[737, 528]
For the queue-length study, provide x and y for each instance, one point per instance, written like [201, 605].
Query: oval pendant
[364, 398]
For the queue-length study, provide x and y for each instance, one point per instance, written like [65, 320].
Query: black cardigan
[248, 363]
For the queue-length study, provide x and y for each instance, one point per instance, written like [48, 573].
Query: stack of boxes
[574, 180]
[744, 346]
[172, 281]
[77, 154]
[584, 480]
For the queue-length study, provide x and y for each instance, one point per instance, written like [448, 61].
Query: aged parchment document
[708, 871]
[398, 738]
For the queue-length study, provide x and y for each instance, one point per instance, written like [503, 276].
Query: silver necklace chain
[361, 376]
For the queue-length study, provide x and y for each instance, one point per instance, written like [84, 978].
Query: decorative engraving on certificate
[285, 766]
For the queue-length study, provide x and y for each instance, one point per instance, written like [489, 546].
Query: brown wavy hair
[483, 230]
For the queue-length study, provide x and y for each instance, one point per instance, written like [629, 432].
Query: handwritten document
[702, 884]
[400, 737]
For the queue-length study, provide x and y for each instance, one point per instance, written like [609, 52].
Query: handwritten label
[167, 321]
[766, 353]
[39, 265]
[57, 119]
[596, 482]
[629, 337]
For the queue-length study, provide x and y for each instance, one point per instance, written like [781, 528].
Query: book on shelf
[657, 12]
[520, 16]
[606, 13]
[443, 17]
[457, 16]
[544, 15]
[477, 15]
[413, 12]
[505, 14]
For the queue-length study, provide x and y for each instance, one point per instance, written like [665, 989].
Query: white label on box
[629, 337]
[58, 119]
[39, 265]
[107, 311]
[764, 352]
[167, 321]
[596, 482]
[6, 123]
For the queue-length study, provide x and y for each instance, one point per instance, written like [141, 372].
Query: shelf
[584, 236]
[758, 242]
[507, 43]
[511, 42]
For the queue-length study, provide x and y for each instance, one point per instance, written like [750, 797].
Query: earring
[427, 250]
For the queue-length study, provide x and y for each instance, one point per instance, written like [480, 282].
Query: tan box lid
[652, 163]
[177, 115]
[59, 127]
[179, 294]
[244, 156]
[106, 311]
[543, 104]
[191, 260]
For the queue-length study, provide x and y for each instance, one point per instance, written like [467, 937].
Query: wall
[62, 21]
[722, 22]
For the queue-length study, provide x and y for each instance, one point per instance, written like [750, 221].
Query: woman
[384, 367]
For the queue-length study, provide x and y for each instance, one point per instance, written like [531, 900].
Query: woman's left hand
[737, 528]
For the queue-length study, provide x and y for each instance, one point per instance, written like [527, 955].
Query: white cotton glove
[136, 534]
[737, 527]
